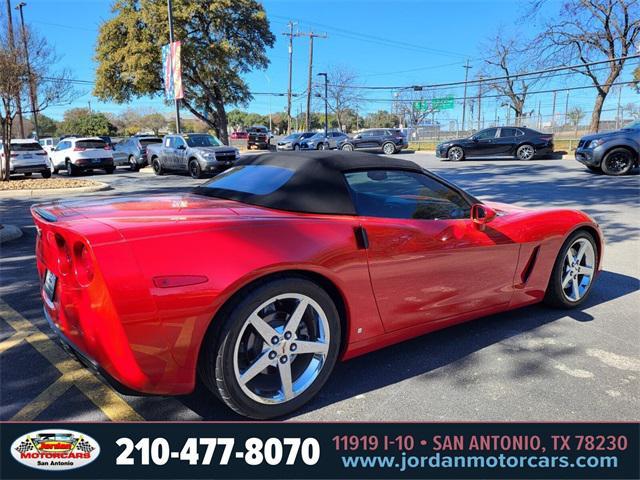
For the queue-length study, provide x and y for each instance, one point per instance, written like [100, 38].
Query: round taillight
[64, 255]
[83, 264]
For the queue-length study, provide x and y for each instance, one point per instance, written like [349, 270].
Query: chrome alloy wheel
[455, 154]
[389, 149]
[578, 269]
[526, 152]
[281, 348]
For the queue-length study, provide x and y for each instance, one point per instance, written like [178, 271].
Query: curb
[53, 191]
[9, 232]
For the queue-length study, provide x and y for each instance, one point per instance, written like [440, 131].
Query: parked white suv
[80, 154]
[27, 157]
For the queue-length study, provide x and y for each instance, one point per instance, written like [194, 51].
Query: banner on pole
[172, 71]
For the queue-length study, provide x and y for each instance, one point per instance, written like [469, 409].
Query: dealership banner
[324, 450]
[172, 71]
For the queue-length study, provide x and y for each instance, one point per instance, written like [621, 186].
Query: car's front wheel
[133, 165]
[195, 170]
[347, 147]
[275, 349]
[618, 161]
[157, 166]
[573, 272]
[455, 154]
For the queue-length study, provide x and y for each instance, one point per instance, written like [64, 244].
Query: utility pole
[619, 111]
[311, 36]
[290, 35]
[326, 105]
[553, 112]
[32, 91]
[539, 116]
[464, 102]
[566, 109]
[12, 48]
[176, 101]
[479, 99]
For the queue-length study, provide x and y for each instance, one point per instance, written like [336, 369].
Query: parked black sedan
[613, 153]
[519, 142]
[387, 140]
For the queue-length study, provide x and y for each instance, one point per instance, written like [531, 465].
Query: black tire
[216, 363]
[157, 166]
[195, 170]
[46, 173]
[455, 154]
[617, 162]
[388, 148]
[72, 170]
[347, 147]
[110, 170]
[55, 170]
[525, 152]
[554, 296]
[296, 147]
[133, 164]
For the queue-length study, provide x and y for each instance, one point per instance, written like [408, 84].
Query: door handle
[362, 239]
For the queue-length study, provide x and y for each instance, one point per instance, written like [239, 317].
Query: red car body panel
[162, 268]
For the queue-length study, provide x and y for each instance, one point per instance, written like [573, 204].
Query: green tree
[47, 126]
[381, 118]
[83, 122]
[154, 122]
[636, 79]
[221, 41]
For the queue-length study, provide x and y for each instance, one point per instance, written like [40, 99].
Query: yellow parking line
[101, 394]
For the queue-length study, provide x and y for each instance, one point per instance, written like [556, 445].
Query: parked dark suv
[387, 140]
[613, 153]
[519, 142]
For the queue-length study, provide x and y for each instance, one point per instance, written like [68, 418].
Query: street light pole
[12, 48]
[176, 101]
[326, 105]
[32, 91]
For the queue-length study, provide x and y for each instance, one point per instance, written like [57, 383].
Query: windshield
[248, 179]
[202, 141]
[633, 126]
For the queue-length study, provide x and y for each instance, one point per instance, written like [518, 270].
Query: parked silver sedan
[319, 142]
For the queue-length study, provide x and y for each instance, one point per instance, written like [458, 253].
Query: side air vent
[526, 273]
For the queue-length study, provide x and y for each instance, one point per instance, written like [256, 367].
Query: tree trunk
[597, 110]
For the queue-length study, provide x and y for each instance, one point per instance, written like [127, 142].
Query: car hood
[456, 140]
[594, 136]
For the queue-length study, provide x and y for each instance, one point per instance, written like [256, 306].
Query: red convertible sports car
[262, 278]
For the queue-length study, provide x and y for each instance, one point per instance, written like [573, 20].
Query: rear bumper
[90, 163]
[28, 168]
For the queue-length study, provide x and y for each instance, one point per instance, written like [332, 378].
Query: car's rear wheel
[195, 170]
[275, 350]
[618, 161]
[157, 166]
[389, 148]
[455, 154]
[54, 170]
[72, 170]
[46, 173]
[525, 152]
[573, 272]
[133, 165]
[296, 147]
[347, 147]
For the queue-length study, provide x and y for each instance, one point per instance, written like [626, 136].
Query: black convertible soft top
[316, 183]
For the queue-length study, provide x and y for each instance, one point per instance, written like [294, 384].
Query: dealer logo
[55, 449]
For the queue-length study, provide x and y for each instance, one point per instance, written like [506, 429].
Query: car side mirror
[357, 137]
[181, 147]
[474, 139]
[482, 214]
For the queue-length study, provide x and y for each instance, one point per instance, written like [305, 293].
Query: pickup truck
[258, 136]
[197, 153]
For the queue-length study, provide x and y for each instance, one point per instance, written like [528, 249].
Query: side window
[178, 141]
[167, 141]
[519, 133]
[485, 134]
[507, 132]
[404, 194]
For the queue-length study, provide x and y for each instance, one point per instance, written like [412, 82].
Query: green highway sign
[435, 104]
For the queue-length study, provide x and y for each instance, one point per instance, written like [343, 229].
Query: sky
[385, 42]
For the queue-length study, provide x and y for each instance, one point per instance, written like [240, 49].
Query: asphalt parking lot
[530, 364]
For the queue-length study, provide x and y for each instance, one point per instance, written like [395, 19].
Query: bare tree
[593, 30]
[343, 96]
[575, 116]
[50, 87]
[507, 57]
[633, 109]
[407, 106]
